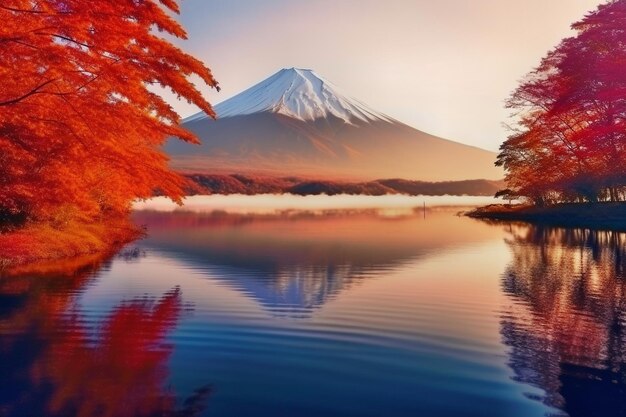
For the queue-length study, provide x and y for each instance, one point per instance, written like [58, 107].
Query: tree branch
[35, 90]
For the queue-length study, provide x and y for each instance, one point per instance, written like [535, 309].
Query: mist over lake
[282, 202]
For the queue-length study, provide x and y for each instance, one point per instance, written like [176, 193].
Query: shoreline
[39, 246]
[602, 216]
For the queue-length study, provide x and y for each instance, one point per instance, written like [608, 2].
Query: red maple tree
[570, 144]
[80, 122]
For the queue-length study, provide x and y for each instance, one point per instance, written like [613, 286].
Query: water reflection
[395, 316]
[60, 360]
[565, 323]
[292, 262]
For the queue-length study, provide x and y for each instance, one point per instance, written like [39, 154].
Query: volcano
[299, 124]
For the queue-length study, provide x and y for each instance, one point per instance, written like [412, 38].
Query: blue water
[333, 313]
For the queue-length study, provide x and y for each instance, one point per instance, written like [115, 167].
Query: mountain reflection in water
[293, 262]
[565, 322]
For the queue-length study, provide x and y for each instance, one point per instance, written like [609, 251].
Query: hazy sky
[442, 66]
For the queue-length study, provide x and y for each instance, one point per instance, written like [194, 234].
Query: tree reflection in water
[56, 362]
[565, 320]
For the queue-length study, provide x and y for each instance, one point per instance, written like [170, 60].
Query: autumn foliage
[570, 143]
[81, 118]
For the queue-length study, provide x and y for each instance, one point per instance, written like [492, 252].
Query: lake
[323, 306]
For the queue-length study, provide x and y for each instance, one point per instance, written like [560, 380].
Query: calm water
[327, 312]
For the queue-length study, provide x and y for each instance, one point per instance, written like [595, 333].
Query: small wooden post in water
[424, 209]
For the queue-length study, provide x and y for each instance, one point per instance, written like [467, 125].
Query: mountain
[297, 123]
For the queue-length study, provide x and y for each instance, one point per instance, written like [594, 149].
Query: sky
[444, 67]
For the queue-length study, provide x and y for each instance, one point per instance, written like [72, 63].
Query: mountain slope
[297, 93]
[297, 123]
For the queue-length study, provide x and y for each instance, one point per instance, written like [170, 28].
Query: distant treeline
[248, 184]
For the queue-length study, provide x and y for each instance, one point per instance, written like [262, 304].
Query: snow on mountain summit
[297, 93]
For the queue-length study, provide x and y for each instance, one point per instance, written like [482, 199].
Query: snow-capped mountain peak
[296, 93]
